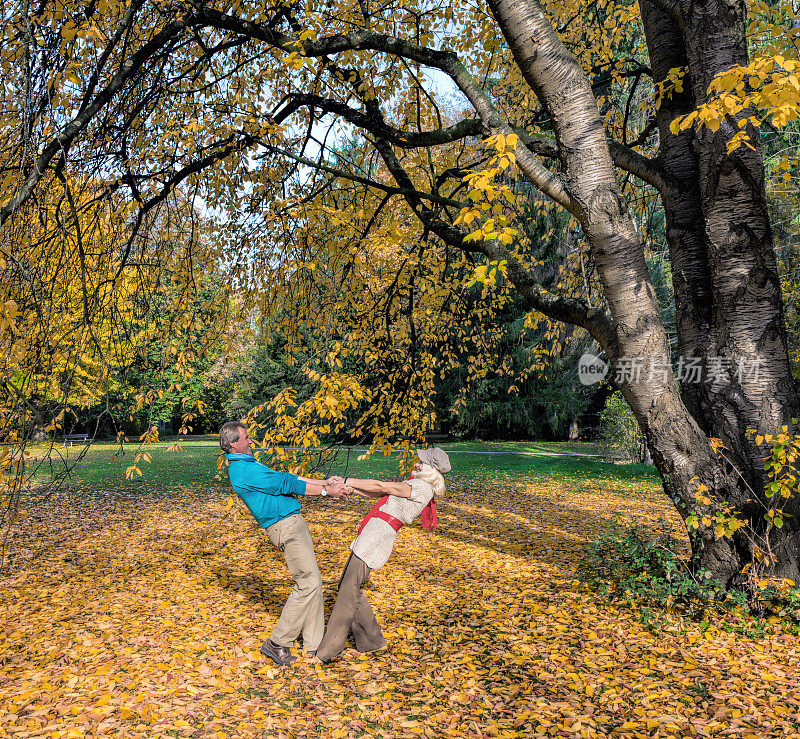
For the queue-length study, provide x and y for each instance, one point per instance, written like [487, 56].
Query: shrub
[642, 566]
[619, 430]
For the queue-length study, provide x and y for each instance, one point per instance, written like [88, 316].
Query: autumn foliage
[301, 156]
[139, 612]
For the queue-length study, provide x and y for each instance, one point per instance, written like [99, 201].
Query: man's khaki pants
[303, 612]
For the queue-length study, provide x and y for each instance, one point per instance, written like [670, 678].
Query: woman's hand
[337, 489]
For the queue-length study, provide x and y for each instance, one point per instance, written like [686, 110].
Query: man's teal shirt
[267, 493]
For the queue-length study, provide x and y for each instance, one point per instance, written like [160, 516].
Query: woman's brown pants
[351, 613]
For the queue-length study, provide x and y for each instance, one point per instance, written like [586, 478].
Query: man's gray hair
[229, 433]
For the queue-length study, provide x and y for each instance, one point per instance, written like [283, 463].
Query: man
[269, 495]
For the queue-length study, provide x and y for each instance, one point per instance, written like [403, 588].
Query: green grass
[102, 465]
[522, 447]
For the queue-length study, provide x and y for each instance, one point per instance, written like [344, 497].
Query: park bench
[71, 438]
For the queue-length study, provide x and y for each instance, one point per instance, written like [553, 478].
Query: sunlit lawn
[195, 463]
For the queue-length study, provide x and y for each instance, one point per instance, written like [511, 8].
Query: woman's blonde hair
[431, 476]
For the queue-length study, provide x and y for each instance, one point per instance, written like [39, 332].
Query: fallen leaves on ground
[142, 616]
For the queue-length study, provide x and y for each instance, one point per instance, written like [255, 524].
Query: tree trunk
[679, 448]
[727, 284]
[685, 225]
[574, 431]
[748, 327]
[728, 301]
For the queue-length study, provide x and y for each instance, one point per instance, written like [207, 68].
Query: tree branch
[398, 137]
[646, 169]
[447, 61]
[491, 120]
[405, 191]
[229, 146]
[124, 25]
[570, 310]
[64, 139]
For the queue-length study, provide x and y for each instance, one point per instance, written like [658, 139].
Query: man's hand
[337, 489]
[333, 480]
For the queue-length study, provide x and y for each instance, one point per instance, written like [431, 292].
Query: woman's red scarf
[428, 515]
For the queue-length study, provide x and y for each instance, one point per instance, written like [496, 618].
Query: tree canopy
[392, 176]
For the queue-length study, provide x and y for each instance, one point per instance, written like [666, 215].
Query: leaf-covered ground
[142, 615]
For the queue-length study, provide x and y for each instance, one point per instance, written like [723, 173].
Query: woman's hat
[436, 458]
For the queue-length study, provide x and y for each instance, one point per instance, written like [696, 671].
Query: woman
[401, 503]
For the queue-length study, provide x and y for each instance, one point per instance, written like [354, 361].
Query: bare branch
[398, 137]
[64, 139]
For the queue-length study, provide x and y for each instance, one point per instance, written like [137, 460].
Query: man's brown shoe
[281, 655]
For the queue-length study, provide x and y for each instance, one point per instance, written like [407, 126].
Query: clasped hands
[336, 487]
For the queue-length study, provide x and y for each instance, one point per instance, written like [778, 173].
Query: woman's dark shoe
[382, 648]
[281, 655]
[327, 660]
